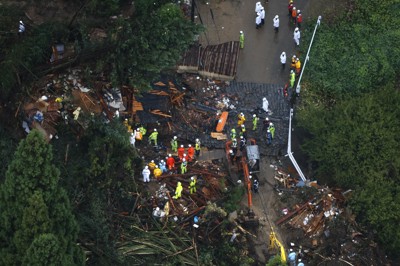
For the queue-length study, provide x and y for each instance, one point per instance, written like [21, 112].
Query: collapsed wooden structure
[213, 61]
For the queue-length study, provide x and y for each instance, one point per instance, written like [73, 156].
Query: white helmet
[181, 146]
[230, 151]
[267, 118]
[192, 178]
[264, 99]
[250, 177]
[298, 11]
[152, 161]
[170, 155]
[242, 125]
[162, 161]
[271, 124]
[146, 167]
[184, 160]
[241, 32]
[296, 29]
[276, 16]
[268, 131]
[241, 137]
[254, 115]
[156, 166]
[197, 140]
[241, 114]
[137, 129]
[184, 155]
[175, 137]
[190, 145]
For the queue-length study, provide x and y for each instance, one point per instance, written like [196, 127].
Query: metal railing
[289, 148]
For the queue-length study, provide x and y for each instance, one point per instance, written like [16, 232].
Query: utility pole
[289, 148]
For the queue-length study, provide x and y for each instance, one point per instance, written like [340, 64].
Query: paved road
[259, 60]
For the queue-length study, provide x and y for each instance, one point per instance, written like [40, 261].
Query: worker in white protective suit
[132, 139]
[146, 174]
[265, 105]
[296, 36]
[258, 7]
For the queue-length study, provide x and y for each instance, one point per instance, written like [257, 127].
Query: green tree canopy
[33, 203]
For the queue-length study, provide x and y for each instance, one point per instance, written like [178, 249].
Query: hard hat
[181, 146]
[146, 167]
[162, 161]
[276, 16]
[155, 130]
[266, 118]
[157, 209]
[284, 53]
[233, 130]
[156, 166]
[291, 71]
[192, 178]
[170, 155]
[126, 119]
[184, 160]
[175, 137]
[137, 129]
[250, 177]
[296, 29]
[299, 260]
[79, 108]
[197, 140]
[298, 11]
[190, 145]
[241, 137]
[230, 151]
[272, 124]
[264, 99]
[254, 115]
[242, 125]
[241, 114]
[184, 155]
[152, 161]
[294, 8]
[290, 250]
[131, 134]
[268, 131]
[241, 32]
[179, 183]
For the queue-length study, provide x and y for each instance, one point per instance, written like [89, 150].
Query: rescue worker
[296, 36]
[293, 64]
[163, 166]
[174, 144]
[272, 129]
[265, 105]
[292, 257]
[232, 156]
[76, 113]
[183, 166]
[132, 139]
[21, 27]
[299, 19]
[300, 263]
[178, 191]
[255, 185]
[255, 122]
[146, 174]
[170, 162]
[258, 21]
[192, 185]
[152, 165]
[197, 147]
[241, 119]
[292, 78]
[243, 131]
[290, 7]
[233, 133]
[153, 137]
[241, 39]
[269, 137]
[138, 134]
[181, 151]
[190, 153]
[157, 172]
[242, 143]
[276, 23]
[234, 145]
[258, 7]
[298, 66]
[262, 14]
[142, 130]
[266, 123]
[283, 60]
[294, 15]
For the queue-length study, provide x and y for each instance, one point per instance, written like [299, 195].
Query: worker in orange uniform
[299, 19]
[241, 119]
[298, 67]
[190, 153]
[181, 151]
[170, 162]
[157, 172]
[294, 15]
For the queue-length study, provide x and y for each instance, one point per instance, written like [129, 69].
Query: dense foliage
[35, 210]
[154, 39]
[350, 111]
